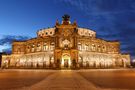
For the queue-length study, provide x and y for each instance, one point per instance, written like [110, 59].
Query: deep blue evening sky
[111, 19]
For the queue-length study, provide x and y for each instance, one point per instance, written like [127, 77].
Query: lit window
[33, 48]
[52, 46]
[19, 50]
[28, 49]
[38, 47]
[45, 47]
[90, 35]
[103, 48]
[86, 47]
[79, 46]
[93, 47]
[99, 49]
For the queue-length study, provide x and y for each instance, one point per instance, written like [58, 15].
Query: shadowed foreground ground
[124, 79]
[101, 79]
[18, 78]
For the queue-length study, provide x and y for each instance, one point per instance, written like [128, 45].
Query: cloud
[6, 41]
[7, 50]
[111, 19]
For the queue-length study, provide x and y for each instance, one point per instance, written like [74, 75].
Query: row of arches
[101, 61]
[41, 46]
[96, 48]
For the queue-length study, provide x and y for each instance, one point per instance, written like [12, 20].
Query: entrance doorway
[66, 61]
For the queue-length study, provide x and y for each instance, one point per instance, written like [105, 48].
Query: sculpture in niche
[66, 43]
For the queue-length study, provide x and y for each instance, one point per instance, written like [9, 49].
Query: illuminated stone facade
[66, 46]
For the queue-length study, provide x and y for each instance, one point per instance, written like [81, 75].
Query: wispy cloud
[6, 41]
[111, 19]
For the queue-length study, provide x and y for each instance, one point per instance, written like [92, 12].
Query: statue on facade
[66, 19]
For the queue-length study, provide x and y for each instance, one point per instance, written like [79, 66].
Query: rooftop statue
[66, 17]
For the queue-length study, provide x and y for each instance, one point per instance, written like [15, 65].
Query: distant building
[1, 53]
[66, 46]
[0, 59]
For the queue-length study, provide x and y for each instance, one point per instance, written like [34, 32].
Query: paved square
[94, 79]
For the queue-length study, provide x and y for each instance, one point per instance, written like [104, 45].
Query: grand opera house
[66, 46]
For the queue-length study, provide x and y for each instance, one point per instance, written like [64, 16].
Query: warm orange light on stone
[66, 46]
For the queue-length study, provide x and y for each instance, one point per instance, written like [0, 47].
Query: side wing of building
[94, 52]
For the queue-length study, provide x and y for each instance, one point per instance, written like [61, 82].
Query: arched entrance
[66, 61]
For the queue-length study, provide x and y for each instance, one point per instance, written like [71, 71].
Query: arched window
[38, 47]
[93, 47]
[19, 50]
[33, 48]
[52, 46]
[103, 49]
[99, 48]
[28, 48]
[79, 46]
[86, 47]
[45, 47]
